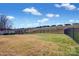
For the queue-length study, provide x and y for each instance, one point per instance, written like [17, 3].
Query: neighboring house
[8, 31]
[12, 31]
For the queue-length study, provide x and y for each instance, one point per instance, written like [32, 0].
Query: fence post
[73, 31]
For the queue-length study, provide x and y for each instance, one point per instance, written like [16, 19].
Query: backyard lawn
[38, 44]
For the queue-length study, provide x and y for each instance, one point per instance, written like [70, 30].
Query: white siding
[7, 31]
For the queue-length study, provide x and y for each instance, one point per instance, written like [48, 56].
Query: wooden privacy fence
[73, 33]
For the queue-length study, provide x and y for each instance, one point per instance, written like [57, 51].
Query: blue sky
[38, 14]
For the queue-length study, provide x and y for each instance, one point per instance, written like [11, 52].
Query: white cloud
[10, 17]
[32, 10]
[57, 15]
[32, 25]
[42, 20]
[59, 23]
[74, 21]
[52, 15]
[57, 5]
[71, 21]
[67, 6]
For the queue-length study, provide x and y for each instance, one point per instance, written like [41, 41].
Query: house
[7, 31]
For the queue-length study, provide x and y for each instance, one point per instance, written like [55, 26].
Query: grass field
[38, 44]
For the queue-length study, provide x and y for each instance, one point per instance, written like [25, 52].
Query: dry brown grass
[27, 45]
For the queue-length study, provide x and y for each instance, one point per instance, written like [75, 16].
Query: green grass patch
[57, 38]
[65, 43]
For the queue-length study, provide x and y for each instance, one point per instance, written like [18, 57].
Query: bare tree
[5, 22]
